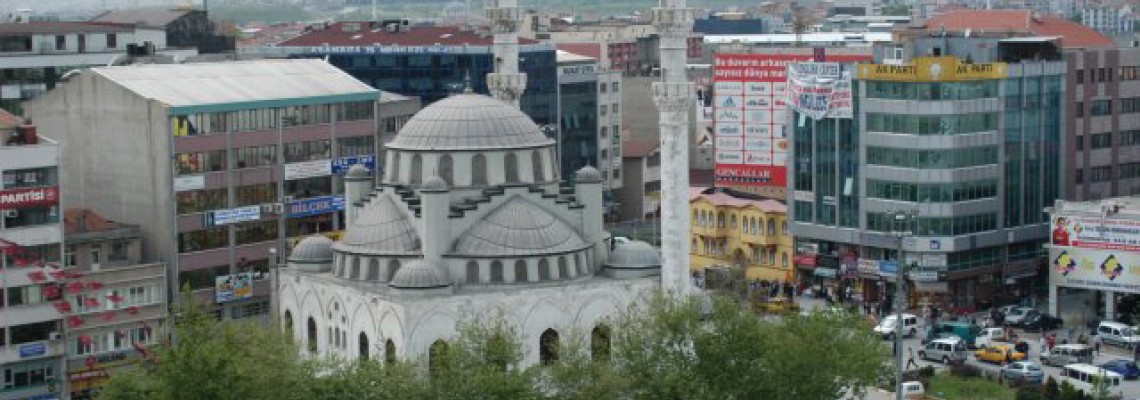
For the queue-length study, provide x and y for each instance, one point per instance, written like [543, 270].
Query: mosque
[470, 220]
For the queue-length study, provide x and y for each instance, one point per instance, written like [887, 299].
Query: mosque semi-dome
[419, 274]
[380, 228]
[634, 255]
[313, 249]
[519, 228]
[469, 122]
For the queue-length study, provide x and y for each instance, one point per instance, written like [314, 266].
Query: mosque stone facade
[470, 220]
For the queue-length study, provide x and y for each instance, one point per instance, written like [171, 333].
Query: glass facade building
[978, 156]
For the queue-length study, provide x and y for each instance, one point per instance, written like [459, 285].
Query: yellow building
[737, 231]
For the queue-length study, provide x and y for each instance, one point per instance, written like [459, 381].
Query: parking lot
[1129, 389]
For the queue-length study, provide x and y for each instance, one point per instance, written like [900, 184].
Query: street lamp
[275, 294]
[901, 221]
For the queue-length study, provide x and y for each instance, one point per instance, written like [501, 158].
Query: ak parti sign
[28, 197]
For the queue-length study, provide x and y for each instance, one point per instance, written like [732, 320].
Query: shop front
[87, 376]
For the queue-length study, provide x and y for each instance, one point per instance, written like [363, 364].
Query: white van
[886, 327]
[1065, 354]
[1117, 333]
[1084, 377]
[946, 350]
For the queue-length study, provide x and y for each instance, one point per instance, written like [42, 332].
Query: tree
[214, 360]
[483, 361]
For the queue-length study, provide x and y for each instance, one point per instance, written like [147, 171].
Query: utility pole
[901, 221]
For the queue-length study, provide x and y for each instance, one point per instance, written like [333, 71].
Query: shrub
[1029, 393]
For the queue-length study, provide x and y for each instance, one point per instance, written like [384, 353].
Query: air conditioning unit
[55, 336]
[11, 213]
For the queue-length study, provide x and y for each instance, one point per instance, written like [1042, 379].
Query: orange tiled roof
[1019, 23]
[92, 222]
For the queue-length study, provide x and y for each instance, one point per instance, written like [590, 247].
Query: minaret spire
[674, 98]
[506, 83]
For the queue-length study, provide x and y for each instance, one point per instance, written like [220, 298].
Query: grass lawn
[954, 388]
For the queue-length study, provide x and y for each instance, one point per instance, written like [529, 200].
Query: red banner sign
[28, 197]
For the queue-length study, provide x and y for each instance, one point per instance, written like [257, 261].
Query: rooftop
[1018, 22]
[592, 50]
[58, 27]
[82, 220]
[568, 57]
[720, 198]
[9, 121]
[636, 148]
[157, 17]
[1127, 207]
[228, 86]
[344, 34]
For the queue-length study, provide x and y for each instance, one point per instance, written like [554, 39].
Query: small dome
[357, 171]
[313, 249]
[418, 274]
[518, 228]
[634, 255]
[588, 174]
[469, 122]
[434, 184]
[381, 228]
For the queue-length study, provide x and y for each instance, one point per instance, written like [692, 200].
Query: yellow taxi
[999, 354]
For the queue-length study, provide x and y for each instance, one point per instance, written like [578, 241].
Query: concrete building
[237, 157]
[470, 220]
[127, 314]
[185, 27]
[978, 153]
[31, 329]
[738, 230]
[34, 55]
[640, 192]
[1093, 245]
[590, 110]
[428, 62]
[1109, 20]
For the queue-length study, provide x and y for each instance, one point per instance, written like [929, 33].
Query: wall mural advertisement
[750, 116]
[1111, 270]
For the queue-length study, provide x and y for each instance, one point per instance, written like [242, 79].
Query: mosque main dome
[469, 122]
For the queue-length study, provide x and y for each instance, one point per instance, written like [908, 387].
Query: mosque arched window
[548, 346]
[389, 352]
[373, 270]
[355, 268]
[393, 266]
[417, 170]
[543, 270]
[394, 175]
[520, 271]
[496, 272]
[288, 323]
[600, 342]
[563, 270]
[445, 169]
[312, 335]
[511, 168]
[479, 169]
[363, 344]
[536, 166]
[472, 272]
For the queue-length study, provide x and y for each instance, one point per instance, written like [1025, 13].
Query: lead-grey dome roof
[380, 228]
[634, 255]
[469, 121]
[418, 274]
[313, 249]
[518, 228]
[588, 174]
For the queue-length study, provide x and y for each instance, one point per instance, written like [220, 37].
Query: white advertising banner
[1112, 270]
[1095, 233]
[820, 90]
[189, 182]
[308, 169]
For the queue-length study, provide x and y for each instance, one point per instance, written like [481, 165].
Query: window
[31, 177]
[307, 151]
[311, 337]
[304, 188]
[95, 256]
[355, 111]
[445, 169]
[616, 107]
[258, 156]
[479, 170]
[1080, 142]
[1130, 138]
[1130, 170]
[520, 271]
[32, 216]
[933, 159]
[1080, 76]
[256, 232]
[194, 201]
[600, 343]
[362, 343]
[112, 41]
[1079, 176]
[511, 166]
[549, 345]
[207, 161]
[1101, 174]
[118, 251]
[932, 124]
[616, 86]
[472, 272]
[355, 146]
[201, 240]
[24, 295]
[1080, 107]
[417, 170]
[1101, 140]
[258, 194]
[20, 376]
[1100, 108]
[1129, 73]
[496, 272]
[536, 165]
[34, 332]
[249, 310]
[1130, 105]
[603, 110]
[60, 42]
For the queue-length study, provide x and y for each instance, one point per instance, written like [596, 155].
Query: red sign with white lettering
[28, 197]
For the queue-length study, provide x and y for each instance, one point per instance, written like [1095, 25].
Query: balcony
[31, 351]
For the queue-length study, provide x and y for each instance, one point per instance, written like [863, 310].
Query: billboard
[750, 114]
[315, 206]
[28, 197]
[232, 216]
[233, 287]
[1095, 233]
[933, 69]
[1112, 270]
[820, 90]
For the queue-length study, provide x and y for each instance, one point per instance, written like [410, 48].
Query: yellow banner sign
[933, 69]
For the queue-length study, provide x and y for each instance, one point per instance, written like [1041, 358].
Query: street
[1130, 389]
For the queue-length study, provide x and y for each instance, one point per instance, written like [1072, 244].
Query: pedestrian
[910, 359]
[1052, 341]
[1044, 343]
[1096, 345]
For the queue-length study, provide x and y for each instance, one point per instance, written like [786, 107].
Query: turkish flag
[51, 291]
[95, 285]
[108, 316]
[75, 287]
[62, 306]
[74, 322]
[132, 310]
[115, 298]
[37, 276]
[91, 302]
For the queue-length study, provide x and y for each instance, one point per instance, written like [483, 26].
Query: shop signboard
[233, 287]
[28, 197]
[1095, 233]
[308, 169]
[315, 206]
[889, 268]
[233, 215]
[805, 260]
[1096, 269]
[33, 350]
[340, 166]
[189, 182]
[868, 267]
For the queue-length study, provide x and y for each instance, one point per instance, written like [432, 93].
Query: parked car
[1015, 316]
[1023, 371]
[991, 336]
[1123, 366]
[999, 354]
[1117, 333]
[1065, 354]
[886, 327]
[944, 350]
[1040, 322]
[1004, 310]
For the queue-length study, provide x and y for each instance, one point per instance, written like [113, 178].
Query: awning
[826, 272]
